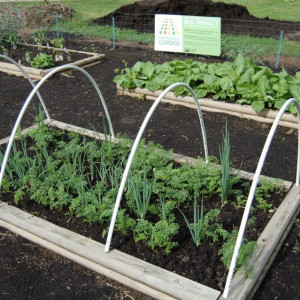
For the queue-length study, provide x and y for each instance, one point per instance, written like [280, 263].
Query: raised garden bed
[74, 57]
[260, 90]
[145, 277]
[207, 104]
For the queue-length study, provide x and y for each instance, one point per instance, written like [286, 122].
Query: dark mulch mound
[189, 7]
[73, 100]
[235, 18]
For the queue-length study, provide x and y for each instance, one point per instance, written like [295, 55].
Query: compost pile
[45, 15]
[141, 14]
[189, 7]
[236, 19]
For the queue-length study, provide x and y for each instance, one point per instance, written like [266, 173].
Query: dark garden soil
[31, 272]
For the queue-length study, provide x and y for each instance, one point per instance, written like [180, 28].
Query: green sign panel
[188, 34]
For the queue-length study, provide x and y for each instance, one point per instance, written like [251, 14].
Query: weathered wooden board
[268, 245]
[22, 132]
[146, 277]
[238, 110]
[37, 74]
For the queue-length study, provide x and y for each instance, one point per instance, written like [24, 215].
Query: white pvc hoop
[29, 98]
[254, 185]
[31, 82]
[135, 145]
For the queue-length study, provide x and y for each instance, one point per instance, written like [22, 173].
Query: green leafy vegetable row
[242, 81]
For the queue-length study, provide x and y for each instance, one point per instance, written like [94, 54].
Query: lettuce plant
[42, 61]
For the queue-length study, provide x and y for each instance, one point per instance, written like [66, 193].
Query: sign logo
[168, 33]
[169, 28]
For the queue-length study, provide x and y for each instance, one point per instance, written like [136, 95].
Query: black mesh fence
[139, 23]
[260, 28]
[256, 28]
[144, 23]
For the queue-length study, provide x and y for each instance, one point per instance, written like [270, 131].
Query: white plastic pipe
[135, 145]
[31, 82]
[253, 188]
[29, 98]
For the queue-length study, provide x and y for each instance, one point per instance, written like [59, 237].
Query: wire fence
[119, 26]
[269, 36]
[257, 28]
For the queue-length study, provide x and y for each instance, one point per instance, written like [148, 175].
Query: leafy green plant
[173, 183]
[246, 251]
[263, 191]
[39, 37]
[58, 43]
[42, 61]
[124, 222]
[159, 234]
[242, 81]
[142, 230]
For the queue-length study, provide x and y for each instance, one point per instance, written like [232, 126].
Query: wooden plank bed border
[37, 74]
[206, 104]
[133, 272]
[268, 245]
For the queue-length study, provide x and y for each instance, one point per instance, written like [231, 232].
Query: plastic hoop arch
[135, 145]
[29, 98]
[254, 185]
[31, 82]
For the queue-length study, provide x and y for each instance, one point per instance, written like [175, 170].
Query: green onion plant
[136, 185]
[196, 228]
[225, 165]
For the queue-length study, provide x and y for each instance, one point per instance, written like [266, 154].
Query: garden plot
[142, 278]
[207, 104]
[74, 57]
[251, 91]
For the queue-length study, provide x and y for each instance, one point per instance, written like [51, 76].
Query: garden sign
[188, 34]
